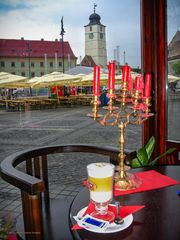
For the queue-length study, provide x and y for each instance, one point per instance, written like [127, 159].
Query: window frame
[154, 61]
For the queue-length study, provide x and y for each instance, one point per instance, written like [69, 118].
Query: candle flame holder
[132, 108]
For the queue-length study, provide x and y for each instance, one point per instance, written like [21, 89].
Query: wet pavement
[26, 130]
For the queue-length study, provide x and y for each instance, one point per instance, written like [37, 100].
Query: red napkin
[150, 180]
[125, 211]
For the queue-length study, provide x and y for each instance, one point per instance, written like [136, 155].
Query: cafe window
[2, 64]
[42, 73]
[22, 64]
[173, 63]
[60, 64]
[12, 64]
[51, 64]
[23, 74]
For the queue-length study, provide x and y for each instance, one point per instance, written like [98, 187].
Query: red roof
[19, 48]
[88, 61]
[174, 47]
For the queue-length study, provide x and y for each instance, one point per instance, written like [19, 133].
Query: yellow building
[32, 58]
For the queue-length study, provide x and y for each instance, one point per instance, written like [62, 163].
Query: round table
[160, 219]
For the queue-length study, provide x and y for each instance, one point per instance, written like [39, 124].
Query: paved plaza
[31, 129]
[25, 130]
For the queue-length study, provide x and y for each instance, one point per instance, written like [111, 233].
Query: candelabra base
[127, 182]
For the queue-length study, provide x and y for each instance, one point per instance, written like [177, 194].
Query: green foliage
[5, 228]
[150, 146]
[144, 155]
[176, 68]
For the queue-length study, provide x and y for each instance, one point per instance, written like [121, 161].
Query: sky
[36, 19]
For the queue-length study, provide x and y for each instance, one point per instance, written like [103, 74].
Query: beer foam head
[100, 170]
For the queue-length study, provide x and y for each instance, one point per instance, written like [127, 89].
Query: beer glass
[100, 183]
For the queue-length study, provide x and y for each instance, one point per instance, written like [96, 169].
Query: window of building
[22, 64]
[32, 64]
[42, 73]
[23, 74]
[51, 64]
[60, 64]
[32, 74]
[2, 64]
[101, 28]
[91, 35]
[41, 64]
[12, 64]
[13, 73]
[101, 35]
[90, 28]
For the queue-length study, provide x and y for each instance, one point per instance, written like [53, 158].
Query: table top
[158, 220]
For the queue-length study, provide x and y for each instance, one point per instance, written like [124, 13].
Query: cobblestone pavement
[25, 130]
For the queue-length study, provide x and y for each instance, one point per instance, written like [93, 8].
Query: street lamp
[62, 39]
[29, 50]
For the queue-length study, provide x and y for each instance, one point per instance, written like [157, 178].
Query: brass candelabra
[132, 108]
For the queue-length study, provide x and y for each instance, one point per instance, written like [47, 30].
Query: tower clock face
[91, 35]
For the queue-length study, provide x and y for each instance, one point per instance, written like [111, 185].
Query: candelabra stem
[95, 108]
[121, 153]
[123, 179]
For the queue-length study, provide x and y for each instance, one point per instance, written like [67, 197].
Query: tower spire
[95, 5]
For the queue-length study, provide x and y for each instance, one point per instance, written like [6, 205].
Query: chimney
[56, 40]
[22, 38]
[42, 39]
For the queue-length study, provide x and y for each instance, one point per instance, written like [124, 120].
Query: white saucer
[112, 228]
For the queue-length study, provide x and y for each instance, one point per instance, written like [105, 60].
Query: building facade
[174, 55]
[32, 58]
[95, 40]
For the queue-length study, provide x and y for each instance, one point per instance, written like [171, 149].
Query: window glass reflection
[173, 24]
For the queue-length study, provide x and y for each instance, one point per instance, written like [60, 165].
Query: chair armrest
[21, 180]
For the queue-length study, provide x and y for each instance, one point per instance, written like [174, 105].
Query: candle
[148, 79]
[141, 84]
[96, 82]
[125, 73]
[111, 75]
[130, 83]
[137, 83]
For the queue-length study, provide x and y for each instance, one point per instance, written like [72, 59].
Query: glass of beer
[100, 183]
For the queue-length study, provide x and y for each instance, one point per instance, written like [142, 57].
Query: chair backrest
[33, 182]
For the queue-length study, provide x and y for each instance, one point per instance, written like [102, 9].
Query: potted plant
[144, 154]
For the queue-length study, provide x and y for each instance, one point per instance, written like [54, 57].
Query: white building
[95, 40]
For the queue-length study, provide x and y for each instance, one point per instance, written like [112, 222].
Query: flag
[62, 27]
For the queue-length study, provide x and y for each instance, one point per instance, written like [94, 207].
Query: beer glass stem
[101, 208]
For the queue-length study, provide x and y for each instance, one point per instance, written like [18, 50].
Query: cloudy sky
[36, 19]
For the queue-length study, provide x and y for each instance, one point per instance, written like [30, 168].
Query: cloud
[37, 19]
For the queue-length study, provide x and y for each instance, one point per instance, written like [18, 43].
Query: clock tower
[95, 39]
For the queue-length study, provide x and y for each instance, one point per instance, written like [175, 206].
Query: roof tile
[19, 48]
